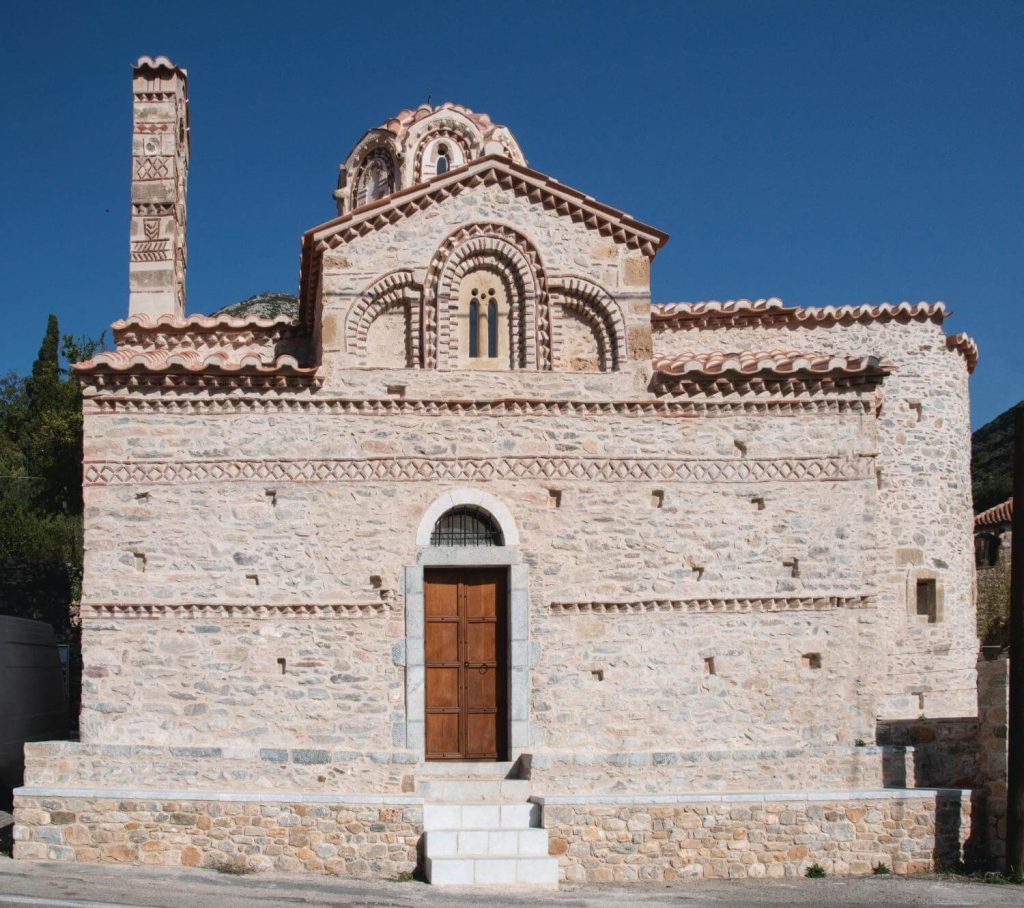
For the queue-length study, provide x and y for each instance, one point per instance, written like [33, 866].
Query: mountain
[271, 304]
[992, 461]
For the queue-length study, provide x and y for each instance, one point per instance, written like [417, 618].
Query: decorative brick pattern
[654, 409]
[391, 469]
[730, 604]
[234, 610]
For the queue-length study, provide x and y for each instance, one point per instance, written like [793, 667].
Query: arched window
[467, 525]
[376, 179]
[492, 325]
[443, 161]
[474, 326]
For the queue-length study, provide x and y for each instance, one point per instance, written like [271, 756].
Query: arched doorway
[466, 633]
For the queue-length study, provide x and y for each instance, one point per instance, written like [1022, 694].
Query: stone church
[488, 568]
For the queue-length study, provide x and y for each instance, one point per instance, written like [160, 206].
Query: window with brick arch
[376, 179]
[483, 317]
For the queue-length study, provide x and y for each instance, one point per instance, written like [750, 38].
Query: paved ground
[91, 886]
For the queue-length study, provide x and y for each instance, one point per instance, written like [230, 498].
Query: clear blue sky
[827, 153]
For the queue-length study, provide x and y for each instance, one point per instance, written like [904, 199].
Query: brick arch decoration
[456, 134]
[378, 150]
[597, 308]
[397, 289]
[513, 257]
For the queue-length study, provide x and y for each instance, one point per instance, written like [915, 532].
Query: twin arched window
[487, 307]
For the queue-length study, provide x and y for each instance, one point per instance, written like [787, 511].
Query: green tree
[41, 484]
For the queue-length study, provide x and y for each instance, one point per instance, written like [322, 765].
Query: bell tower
[160, 155]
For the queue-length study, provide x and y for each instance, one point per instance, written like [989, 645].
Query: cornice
[653, 408]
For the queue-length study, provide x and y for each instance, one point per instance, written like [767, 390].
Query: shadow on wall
[942, 753]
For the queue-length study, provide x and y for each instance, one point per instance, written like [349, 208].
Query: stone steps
[448, 790]
[451, 843]
[458, 817]
[460, 770]
[479, 870]
[475, 837]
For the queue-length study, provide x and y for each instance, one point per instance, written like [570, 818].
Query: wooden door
[466, 659]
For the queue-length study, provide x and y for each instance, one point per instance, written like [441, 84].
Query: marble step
[448, 790]
[456, 816]
[519, 843]
[464, 770]
[481, 870]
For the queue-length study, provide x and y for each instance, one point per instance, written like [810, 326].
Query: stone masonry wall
[994, 588]
[353, 840]
[993, 713]
[668, 839]
[924, 517]
[199, 580]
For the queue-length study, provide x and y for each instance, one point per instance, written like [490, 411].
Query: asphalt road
[27, 884]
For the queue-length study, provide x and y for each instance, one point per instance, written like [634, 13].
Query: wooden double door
[465, 643]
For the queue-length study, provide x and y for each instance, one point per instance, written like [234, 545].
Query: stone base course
[52, 764]
[626, 839]
[831, 767]
[312, 835]
[596, 838]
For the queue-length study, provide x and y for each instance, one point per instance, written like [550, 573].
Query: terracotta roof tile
[773, 306]
[712, 308]
[202, 322]
[405, 119]
[1001, 513]
[965, 345]
[748, 362]
[164, 360]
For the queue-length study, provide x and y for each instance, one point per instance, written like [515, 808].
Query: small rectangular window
[927, 600]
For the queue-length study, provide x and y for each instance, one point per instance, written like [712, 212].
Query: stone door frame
[507, 556]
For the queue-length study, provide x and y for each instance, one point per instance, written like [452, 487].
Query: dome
[417, 145]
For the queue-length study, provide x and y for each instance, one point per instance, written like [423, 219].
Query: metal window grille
[466, 526]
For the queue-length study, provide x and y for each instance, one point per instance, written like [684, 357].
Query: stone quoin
[487, 565]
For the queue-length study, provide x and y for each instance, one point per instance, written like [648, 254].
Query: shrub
[815, 872]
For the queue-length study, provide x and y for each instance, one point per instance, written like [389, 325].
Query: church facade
[488, 565]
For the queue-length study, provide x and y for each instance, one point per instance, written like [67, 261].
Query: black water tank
[32, 703]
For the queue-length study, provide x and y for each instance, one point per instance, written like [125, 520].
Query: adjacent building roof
[1001, 513]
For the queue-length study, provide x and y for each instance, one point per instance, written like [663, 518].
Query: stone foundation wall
[316, 835]
[993, 713]
[667, 838]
